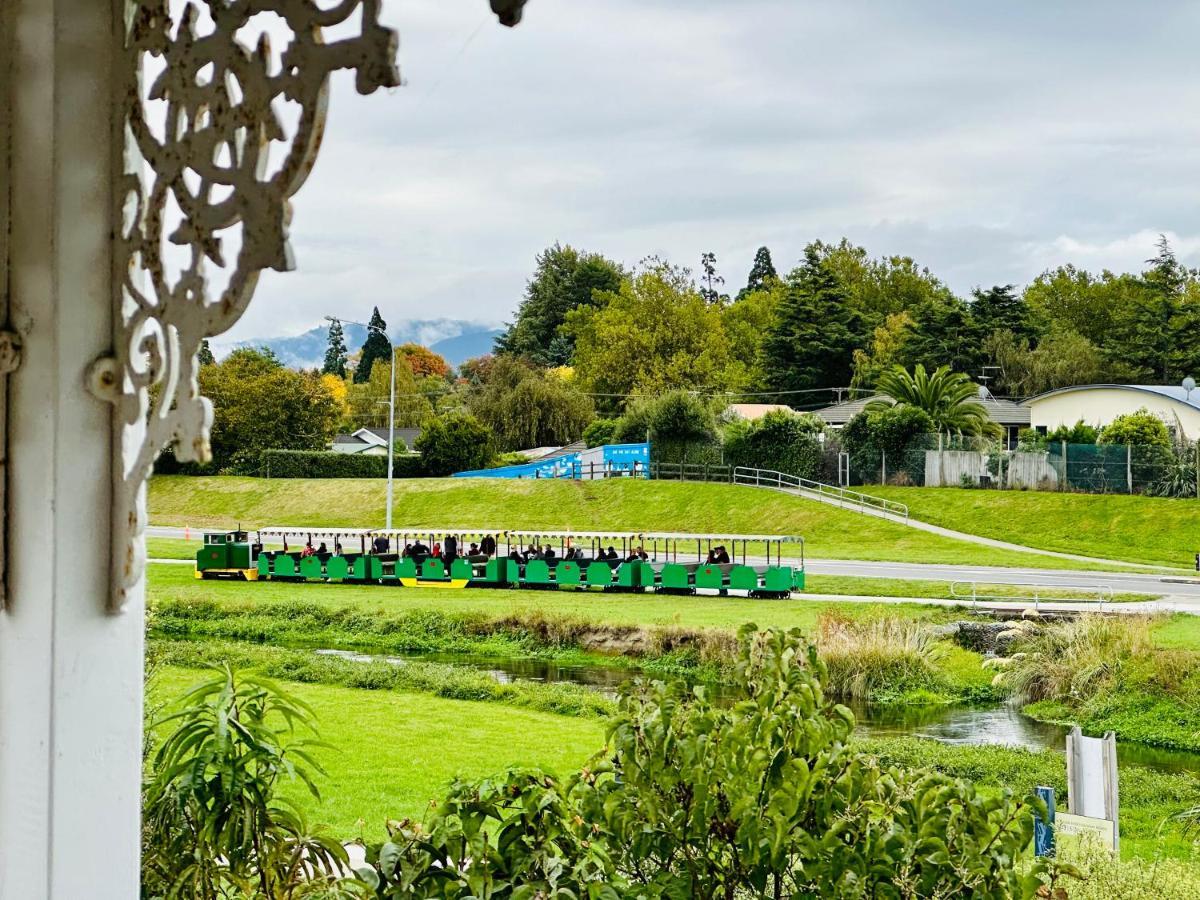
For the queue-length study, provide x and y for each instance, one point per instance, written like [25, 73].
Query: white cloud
[988, 141]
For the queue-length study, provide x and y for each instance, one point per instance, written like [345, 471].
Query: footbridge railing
[834, 494]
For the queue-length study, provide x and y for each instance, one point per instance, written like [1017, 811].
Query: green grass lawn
[619, 504]
[1154, 530]
[393, 752]
[171, 548]
[170, 583]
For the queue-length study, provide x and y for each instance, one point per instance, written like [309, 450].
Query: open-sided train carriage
[456, 558]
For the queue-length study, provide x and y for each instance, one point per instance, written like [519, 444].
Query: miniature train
[662, 562]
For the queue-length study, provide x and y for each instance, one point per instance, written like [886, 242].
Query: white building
[1099, 404]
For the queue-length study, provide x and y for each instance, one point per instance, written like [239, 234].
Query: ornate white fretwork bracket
[221, 128]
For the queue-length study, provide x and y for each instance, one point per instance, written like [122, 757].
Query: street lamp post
[391, 409]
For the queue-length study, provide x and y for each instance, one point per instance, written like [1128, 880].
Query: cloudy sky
[987, 140]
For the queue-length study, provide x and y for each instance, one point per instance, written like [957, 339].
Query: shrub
[673, 423]
[761, 798]
[212, 828]
[893, 431]
[1079, 433]
[1137, 429]
[454, 443]
[316, 464]
[780, 440]
[876, 658]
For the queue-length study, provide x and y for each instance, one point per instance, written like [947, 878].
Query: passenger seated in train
[450, 548]
[610, 555]
[548, 554]
[711, 559]
[488, 546]
[380, 544]
[419, 549]
[308, 550]
[473, 550]
[531, 552]
[572, 553]
[722, 557]
[408, 550]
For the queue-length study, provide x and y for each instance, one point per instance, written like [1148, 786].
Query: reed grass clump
[880, 658]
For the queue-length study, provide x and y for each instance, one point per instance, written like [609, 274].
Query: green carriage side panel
[264, 565]
[284, 565]
[599, 573]
[336, 569]
[461, 568]
[675, 577]
[496, 571]
[537, 572]
[710, 577]
[212, 556]
[406, 568]
[779, 579]
[433, 569]
[568, 573]
[310, 567]
[797, 579]
[630, 575]
[367, 568]
[743, 578]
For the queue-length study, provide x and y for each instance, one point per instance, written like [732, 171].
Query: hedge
[326, 464]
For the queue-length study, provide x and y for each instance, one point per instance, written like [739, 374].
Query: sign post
[1043, 829]
[1092, 795]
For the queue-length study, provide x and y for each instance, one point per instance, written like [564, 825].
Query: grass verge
[1155, 530]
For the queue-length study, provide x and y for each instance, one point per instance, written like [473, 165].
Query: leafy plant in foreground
[212, 826]
[761, 799]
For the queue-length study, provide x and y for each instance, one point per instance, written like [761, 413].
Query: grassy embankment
[1154, 530]
[620, 505]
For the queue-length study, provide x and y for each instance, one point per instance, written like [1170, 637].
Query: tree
[423, 361]
[565, 279]
[673, 423]
[814, 335]
[654, 334]
[1062, 358]
[887, 349]
[457, 442]
[375, 347]
[205, 355]
[780, 440]
[1001, 308]
[258, 404]
[762, 273]
[711, 280]
[600, 432]
[946, 334]
[335, 352]
[746, 322]
[526, 407]
[950, 399]
[369, 401]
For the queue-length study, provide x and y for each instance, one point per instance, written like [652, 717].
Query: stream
[1001, 724]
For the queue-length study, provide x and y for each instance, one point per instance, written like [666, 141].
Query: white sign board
[1092, 783]
[1102, 831]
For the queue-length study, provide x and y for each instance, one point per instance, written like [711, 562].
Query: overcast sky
[987, 140]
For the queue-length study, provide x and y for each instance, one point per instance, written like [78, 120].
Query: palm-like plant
[950, 398]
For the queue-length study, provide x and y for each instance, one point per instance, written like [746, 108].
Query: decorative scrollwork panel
[224, 112]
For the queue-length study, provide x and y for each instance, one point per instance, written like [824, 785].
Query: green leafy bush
[1137, 429]
[783, 441]
[893, 431]
[678, 425]
[454, 443]
[763, 798]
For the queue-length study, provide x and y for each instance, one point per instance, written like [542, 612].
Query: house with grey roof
[374, 441]
[1098, 404]
[1010, 416]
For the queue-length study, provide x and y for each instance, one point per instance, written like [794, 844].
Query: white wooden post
[1129, 468]
[70, 673]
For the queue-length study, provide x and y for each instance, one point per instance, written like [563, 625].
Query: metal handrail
[1089, 593]
[842, 496]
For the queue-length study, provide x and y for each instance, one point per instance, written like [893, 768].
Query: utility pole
[391, 412]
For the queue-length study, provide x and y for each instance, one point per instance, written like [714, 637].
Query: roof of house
[1170, 391]
[754, 411]
[1002, 412]
[537, 454]
[347, 439]
[380, 434]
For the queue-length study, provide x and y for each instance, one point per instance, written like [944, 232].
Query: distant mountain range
[454, 339]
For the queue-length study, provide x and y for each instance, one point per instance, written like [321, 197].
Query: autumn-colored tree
[423, 361]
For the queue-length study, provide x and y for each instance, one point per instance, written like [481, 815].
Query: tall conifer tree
[375, 347]
[335, 353]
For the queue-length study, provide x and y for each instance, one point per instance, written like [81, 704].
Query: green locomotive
[457, 558]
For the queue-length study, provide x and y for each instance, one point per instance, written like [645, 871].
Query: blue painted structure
[598, 462]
